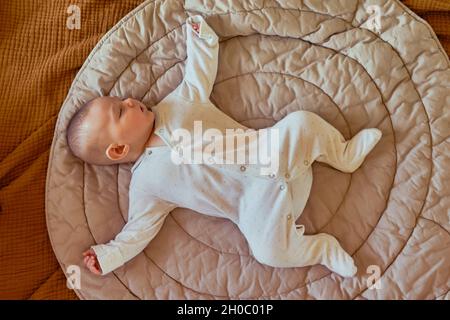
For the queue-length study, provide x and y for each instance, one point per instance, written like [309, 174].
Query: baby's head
[110, 130]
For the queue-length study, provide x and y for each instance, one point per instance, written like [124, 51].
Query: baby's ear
[117, 151]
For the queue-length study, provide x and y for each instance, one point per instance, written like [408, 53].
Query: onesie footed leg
[347, 156]
[359, 147]
[307, 250]
[338, 260]
[325, 249]
[319, 140]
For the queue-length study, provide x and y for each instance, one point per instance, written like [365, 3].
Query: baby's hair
[77, 138]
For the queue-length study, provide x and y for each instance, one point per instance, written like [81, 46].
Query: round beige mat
[329, 57]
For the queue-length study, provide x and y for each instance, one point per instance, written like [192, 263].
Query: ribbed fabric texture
[437, 14]
[39, 58]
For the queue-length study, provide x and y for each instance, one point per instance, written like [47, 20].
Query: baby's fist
[91, 262]
[196, 27]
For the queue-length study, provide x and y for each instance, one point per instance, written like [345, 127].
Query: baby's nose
[129, 102]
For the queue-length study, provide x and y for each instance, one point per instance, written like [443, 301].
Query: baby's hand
[196, 26]
[91, 262]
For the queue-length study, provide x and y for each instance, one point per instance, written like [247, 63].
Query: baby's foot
[335, 258]
[346, 267]
[338, 260]
[359, 147]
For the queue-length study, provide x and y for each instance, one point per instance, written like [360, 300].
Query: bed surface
[410, 163]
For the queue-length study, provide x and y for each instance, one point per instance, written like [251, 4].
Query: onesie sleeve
[201, 63]
[146, 217]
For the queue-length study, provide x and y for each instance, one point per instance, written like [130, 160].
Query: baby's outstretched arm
[202, 50]
[146, 217]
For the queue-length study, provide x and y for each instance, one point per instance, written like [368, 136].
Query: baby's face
[121, 121]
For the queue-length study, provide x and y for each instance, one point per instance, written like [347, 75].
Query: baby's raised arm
[202, 48]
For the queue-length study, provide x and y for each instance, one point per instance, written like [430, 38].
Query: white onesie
[264, 207]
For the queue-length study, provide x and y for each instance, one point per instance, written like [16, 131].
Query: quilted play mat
[358, 64]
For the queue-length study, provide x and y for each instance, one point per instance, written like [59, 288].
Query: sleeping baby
[264, 204]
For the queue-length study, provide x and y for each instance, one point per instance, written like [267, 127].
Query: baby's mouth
[142, 107]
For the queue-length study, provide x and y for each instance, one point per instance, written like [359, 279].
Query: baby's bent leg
[326, 144]
[331, 254]
[308, 250]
